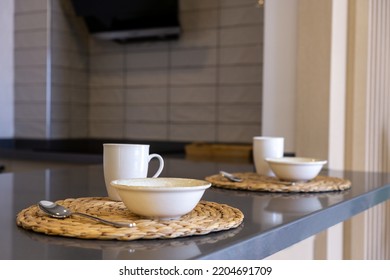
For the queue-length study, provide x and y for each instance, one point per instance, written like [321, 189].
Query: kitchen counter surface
[272, 221]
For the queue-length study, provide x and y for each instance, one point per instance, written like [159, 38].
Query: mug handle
[160, 168]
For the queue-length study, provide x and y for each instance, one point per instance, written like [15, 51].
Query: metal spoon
[57, 211]
[230, 176]
[234, 178]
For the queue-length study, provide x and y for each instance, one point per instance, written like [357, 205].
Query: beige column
[321, 80]
[321, 95]
[367, 235]
[318, 91]
[342, 108]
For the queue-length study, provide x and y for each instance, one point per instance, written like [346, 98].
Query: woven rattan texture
[255, 182]
[205, 218]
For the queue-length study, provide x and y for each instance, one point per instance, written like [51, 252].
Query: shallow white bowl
[162, 198]
[296, 168]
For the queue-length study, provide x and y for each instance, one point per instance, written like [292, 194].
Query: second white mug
[264, 147]
[126, 161]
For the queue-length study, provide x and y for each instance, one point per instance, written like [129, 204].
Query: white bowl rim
[296, 161]
[124, 184]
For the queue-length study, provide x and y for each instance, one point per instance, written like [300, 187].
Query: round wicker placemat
[255, 182]
[205, 218]
[139, 245]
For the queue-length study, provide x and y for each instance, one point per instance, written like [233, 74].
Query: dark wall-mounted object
[130, 20]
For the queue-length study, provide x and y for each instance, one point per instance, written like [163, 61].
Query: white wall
[6, 69]
[279, 75]
[338, 84]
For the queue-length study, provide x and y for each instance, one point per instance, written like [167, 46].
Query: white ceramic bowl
[162, 198]
[295, 168]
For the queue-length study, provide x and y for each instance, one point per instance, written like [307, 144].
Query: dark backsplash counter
[88, 151]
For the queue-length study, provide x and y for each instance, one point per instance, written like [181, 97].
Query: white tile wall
[60, 94]
[30, 112]
[30, 57]
[147, 113]
[60, 129]
[107, 62]
[77, 95]
[60, 112]
[37, 39]
[238, 113]
[146, 95]
[241, 35]
[78, 129]
[236, 94]
[69, 60]
[35, 129]
[31, 40]
[192, 114]
[70, 42]
[147, 60]
[69, 73]
[107, 79]
[146, 131]
[99, 47]
[114, 130]
[189, 5]
[193, 76]
[202, 57]
[197, 39]
[193, 95]
[242, 74]
[30, 94]
[31, 21]
[108, 96]
[234, 133]
[27, 6]
[206, 86]
[30, 70]
[193, 132]
[78, 114]
[142, 77]
[30, 75]
[247, 54]
[235, 3]
[240, 15]
[105, 112]
[196, 20]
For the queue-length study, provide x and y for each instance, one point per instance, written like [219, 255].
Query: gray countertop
[272, 221]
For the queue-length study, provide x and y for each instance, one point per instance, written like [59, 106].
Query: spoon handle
[115, 224]
[230, 176]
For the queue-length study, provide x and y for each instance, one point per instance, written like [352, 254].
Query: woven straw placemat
[138, 245]
[205, 218]
[255, 182]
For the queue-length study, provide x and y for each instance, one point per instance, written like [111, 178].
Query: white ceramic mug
[126, 161]
[264, 147]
